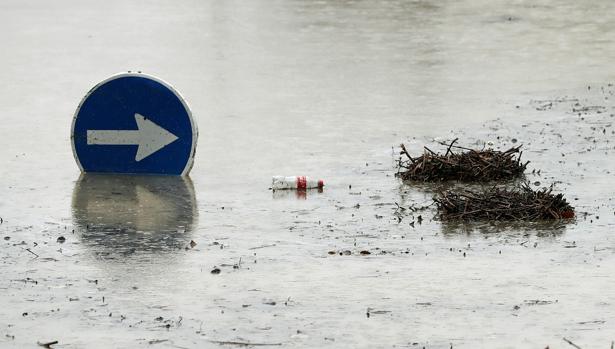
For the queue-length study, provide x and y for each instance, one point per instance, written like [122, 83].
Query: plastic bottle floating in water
[296, 182]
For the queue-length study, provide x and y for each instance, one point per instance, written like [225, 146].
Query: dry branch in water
[468, 165]
[522, 203]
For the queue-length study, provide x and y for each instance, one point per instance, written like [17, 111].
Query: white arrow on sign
[149, 137]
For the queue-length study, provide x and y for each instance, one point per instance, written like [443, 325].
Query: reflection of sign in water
[128, 213]
[134, 123]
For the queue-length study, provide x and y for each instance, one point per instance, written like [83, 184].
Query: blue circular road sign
[134, 123]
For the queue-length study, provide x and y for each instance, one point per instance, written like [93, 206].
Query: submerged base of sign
[134, 123]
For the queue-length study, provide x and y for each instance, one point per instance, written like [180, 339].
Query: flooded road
[327, 89]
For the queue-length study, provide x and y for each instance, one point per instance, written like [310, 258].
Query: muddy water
[327, 89]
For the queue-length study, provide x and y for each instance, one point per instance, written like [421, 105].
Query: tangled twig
[522, 203]
[469, 165]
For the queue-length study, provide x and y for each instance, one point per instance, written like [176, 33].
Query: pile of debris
[522, 203]
[468, 165]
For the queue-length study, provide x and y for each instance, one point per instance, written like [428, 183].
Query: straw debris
[521, 203]
[468, 165]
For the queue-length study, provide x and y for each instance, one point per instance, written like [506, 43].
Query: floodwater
[321, 88]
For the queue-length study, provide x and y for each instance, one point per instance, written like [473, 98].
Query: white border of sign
[195, 132]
